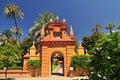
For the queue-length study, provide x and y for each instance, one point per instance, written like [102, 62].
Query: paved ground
[53, 77]
[58, 69]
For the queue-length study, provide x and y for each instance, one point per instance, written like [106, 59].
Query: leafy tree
[11, 55]
[12, 11]
[27, 43]
[89, 41]
[42, 21]
[110, 26]
[105, 58]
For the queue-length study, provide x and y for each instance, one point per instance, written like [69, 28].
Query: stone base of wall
[15, 73]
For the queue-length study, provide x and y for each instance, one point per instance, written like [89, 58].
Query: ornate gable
[57, 30]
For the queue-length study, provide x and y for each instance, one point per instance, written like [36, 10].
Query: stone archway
[57, 64]
[56, 40]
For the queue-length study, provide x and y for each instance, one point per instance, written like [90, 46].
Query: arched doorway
[57, 64]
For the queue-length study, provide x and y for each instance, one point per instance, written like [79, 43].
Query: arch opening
[57, 64]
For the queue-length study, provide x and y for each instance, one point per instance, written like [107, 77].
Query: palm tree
[18, 31]
[42, 21]
[6, 37]
[110, 26]
[97, 28]
[118, 28]
[12, 11]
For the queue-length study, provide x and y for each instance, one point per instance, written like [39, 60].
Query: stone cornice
[57, 43]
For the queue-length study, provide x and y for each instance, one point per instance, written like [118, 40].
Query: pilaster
[45, 68]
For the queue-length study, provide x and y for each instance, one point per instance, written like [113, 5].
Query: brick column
[65, 62]
[45, 68]
[69, 54]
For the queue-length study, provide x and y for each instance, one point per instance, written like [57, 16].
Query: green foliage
[15, 68]
[53, 66]
[10, 55]
[110, 26]
[17, 30]
[6, 37]
[26, 44]
[76, 46]
[105, 58]
[1, 65]
[34, 64]
[97, 28]
[75, 79]
[80, 61]
[13, 11]
[39, 23]
[89, 41]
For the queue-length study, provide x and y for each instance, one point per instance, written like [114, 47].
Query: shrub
[15, 68]
[1, 65]
[34, 64]
[80, 65]
[105, 58]
[80, 61]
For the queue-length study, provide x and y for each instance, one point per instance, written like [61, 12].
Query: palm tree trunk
[110, 30]
[97, 30]
[17, 36]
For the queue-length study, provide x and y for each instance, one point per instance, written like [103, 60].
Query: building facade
[55, 45]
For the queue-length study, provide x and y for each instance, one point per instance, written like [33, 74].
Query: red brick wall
[15, 73]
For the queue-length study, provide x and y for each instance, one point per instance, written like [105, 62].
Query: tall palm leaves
[6, 37]
[110, 26]
[97, 28]
[18, 31]
[12, 11]
[42, 21]
[118, 28]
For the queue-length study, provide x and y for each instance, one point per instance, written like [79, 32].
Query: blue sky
[81, 14]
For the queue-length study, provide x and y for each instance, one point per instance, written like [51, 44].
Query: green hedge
[15, 68]
[80, 61]
[1, 65]
[34, 64]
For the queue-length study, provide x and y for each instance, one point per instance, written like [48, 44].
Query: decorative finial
[33, 43]
[28, 50]
[57, 17]
[51, 20]
[64, 20]
[80, 42]
[71, 32]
